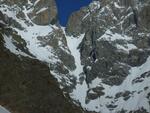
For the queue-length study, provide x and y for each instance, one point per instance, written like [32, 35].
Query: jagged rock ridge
[101, 59]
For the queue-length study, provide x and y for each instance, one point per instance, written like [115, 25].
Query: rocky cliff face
[115, 47]
[42, 12]
[112, 38]
[26, 84]
[100, 60]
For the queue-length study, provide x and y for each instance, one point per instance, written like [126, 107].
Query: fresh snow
[36, 2]
[94, 6]
[127, 47]
[117, 6]
[29, 2]
[73, 44]
[138, 100]
[86, 16]
[45, 54]
[3, 110]
[42, 10]
[30, 34]
[10, 46]
[135, 102]
[79, 93]
[110, 36]
[1, 22]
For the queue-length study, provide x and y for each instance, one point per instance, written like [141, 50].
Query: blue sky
[66, 7]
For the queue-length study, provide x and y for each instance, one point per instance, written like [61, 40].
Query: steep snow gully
[79, 94]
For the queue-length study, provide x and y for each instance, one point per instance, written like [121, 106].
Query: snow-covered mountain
[101, 60]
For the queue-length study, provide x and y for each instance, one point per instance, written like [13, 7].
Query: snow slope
[137, 91]
[30, 34]
[3, 110]
[138, 95]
